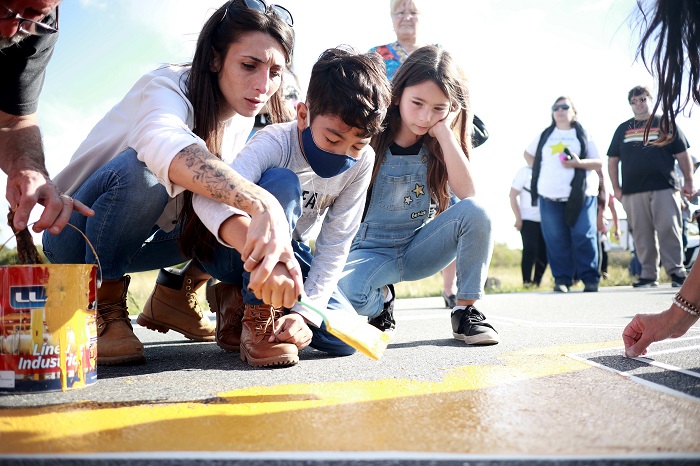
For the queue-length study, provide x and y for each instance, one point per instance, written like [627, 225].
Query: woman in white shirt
[565, 184]
[167, 137]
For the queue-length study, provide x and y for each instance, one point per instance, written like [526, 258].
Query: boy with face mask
[319, 168]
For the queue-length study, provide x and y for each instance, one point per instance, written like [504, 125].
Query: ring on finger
[290, 264]
[254, 259]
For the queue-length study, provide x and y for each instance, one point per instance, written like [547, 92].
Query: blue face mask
[325, 164]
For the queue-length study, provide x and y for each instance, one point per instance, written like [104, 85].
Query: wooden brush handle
[26, 250]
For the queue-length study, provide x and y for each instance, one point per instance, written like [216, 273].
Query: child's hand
[443, 125]
[279, 290]
[292, 328]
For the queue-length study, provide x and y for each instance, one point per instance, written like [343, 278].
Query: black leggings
[534, 252]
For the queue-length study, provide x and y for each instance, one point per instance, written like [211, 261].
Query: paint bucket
[48, 336]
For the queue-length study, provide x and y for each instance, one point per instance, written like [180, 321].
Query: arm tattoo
[219, 181]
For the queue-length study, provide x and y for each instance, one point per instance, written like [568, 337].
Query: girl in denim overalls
[422, 158]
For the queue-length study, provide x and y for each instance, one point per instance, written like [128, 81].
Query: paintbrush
[355, 331]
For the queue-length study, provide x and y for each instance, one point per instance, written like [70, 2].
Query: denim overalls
[397, 241]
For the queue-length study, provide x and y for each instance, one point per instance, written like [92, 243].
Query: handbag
[480, 134]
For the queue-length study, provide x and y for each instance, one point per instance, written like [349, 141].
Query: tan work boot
[173, 305]
[116, 342]
[226, 301]
[258, 325]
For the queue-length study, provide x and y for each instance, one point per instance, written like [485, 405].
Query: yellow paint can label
[48, 337]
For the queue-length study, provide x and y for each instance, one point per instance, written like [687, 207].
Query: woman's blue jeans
[387, 254]
[572, 251]
[127, 200]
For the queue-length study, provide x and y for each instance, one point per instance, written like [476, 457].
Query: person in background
[423, 158]
[649, 189]
[672, 27]
[28, 35]
[291, 93]
[564, 161]
[406, 19]
[527, 222]
[608, 222]
[688, 204]
[164, 140]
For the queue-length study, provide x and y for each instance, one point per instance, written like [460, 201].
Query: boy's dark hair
[637, 91]
[351, 85]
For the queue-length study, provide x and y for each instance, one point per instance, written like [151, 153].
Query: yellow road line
[330, 416]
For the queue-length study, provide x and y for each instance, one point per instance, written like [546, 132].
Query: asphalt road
[556, 390]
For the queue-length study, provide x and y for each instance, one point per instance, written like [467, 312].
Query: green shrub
[8, 256]
[503, 256]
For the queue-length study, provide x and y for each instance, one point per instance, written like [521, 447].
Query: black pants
[602, 254]
[534, 252]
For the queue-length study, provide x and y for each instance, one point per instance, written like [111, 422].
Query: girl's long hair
[226, 26]
[674, 25]
[429, 63]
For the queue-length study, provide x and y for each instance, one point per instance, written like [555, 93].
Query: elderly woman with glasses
[169, 137]
[406, 17]
[565, 163]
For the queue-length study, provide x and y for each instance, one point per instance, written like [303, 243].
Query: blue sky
[518, 54]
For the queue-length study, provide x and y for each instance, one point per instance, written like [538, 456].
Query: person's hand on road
[645, 329]
[292, 328]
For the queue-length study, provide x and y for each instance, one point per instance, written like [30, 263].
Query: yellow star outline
[558, 148]
[407, 200]
[418, 190]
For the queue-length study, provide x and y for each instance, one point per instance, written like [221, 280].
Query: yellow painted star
[419, 190]
[558, 148]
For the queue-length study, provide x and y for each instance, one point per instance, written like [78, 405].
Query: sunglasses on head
[637, 101]
[560, 107]
[28, 26]
[262, 7]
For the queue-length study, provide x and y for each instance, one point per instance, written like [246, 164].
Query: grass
[508, 279]
[504, 272]
[505, 269]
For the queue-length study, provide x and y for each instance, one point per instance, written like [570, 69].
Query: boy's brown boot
[258, 325]
[173, 305]
[226, 301]
[116, 342]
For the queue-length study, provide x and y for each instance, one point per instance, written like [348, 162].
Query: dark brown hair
[352, 86]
